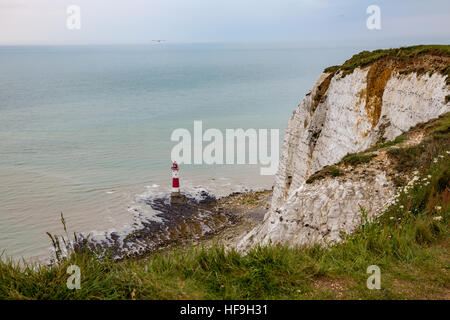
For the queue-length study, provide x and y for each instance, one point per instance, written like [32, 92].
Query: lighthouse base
[177, 198]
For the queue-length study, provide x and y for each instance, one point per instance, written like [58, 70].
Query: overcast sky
[141, 21]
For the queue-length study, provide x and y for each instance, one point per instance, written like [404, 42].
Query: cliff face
[347, 112]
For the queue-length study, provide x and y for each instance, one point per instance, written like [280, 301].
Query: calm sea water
[86, 130]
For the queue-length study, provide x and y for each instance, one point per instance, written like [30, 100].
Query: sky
[324, 22]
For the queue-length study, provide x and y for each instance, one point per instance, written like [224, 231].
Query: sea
[86, 130]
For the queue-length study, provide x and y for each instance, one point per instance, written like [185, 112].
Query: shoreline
[200, 220]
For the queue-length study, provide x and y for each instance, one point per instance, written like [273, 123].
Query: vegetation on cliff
[405, 156]
[404, 56]
[410, 243]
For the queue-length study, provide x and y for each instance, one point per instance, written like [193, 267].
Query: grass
[353, 160]
[366, 58]
[357, 158]
[410, 243]
[383, 145]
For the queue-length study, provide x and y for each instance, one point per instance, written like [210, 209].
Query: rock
[321, 133]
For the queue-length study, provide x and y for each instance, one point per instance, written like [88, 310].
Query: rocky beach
[201, 220]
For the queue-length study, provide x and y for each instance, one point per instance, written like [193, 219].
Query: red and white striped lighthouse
[175, 179]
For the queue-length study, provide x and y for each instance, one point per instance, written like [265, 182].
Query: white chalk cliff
[343, 114]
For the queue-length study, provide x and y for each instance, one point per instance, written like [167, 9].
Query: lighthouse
[175, 178]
